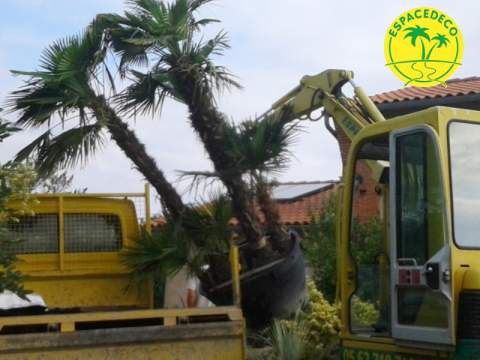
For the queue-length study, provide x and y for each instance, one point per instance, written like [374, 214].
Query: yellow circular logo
[423, 47]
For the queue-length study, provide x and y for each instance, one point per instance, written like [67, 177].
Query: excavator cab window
[369, 305]
[420, 230]
[465, 165]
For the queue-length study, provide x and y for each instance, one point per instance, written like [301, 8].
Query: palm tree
[66, 84]
[182, 67]
[441, 40]
[415, 33]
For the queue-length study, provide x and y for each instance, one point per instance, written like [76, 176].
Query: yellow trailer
[69, 251]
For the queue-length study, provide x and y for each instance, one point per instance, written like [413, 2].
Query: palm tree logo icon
[423, 47]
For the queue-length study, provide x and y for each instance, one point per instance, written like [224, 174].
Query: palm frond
[147, 92]
[197, 56]
[154, 256]
[115, 34]
[37, 101]
[208, 224]
[261, 145]
[67, 149]
[6, 129]
[34, 147]
[63, 82]
[199, 181]
[204, 232]
[255, 146]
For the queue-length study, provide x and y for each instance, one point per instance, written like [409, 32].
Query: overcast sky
[274, 43]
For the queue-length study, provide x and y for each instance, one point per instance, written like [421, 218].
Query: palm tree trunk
[209, 124]
[129, 143]
[275, 228]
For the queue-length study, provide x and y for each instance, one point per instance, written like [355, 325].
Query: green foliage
[154, 257]
[64, 82]
[313, 334]
[364, 314]
[284, 340]
[16, 181]
[255, 147]
[322, 324]
[164, 33]
[203, 235]
[320, 248]
[366, 247]
[62, 89]
[261, 144]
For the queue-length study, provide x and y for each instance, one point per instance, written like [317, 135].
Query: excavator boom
[324, 91]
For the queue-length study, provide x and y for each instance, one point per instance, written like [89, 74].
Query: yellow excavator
[423, 283]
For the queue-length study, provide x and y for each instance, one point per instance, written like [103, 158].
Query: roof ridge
[468, 78]
[458, 87]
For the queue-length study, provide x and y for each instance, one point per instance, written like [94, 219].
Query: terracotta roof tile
[455, 87]
[299, 211]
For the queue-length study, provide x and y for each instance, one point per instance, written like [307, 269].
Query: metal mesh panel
[139, 203]
[34, 234]
[89, 232]
[95, 230]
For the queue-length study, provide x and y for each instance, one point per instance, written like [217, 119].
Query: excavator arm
[324, 90]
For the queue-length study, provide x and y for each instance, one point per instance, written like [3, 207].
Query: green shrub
[16, 181]
[364, 314]
[322, 325]
[313, 334]
[284, 340]
[320, 249]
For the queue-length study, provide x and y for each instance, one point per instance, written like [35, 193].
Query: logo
[423, 47]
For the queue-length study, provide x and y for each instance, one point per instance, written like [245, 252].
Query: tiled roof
[299, 209]
[297, 201]
[455, 87]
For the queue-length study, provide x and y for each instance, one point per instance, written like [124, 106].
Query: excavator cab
[409, 269]
[408, 237]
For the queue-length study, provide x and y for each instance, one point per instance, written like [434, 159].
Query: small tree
[16, 181]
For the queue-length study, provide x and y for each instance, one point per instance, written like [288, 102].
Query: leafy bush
[322, 325]
[313, 334]
[16, 181]
[320, 248]
[285, 340]
[364, 314]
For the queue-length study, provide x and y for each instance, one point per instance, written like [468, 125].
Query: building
[299, 202]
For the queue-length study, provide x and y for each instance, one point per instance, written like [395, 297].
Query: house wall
[366, 204]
